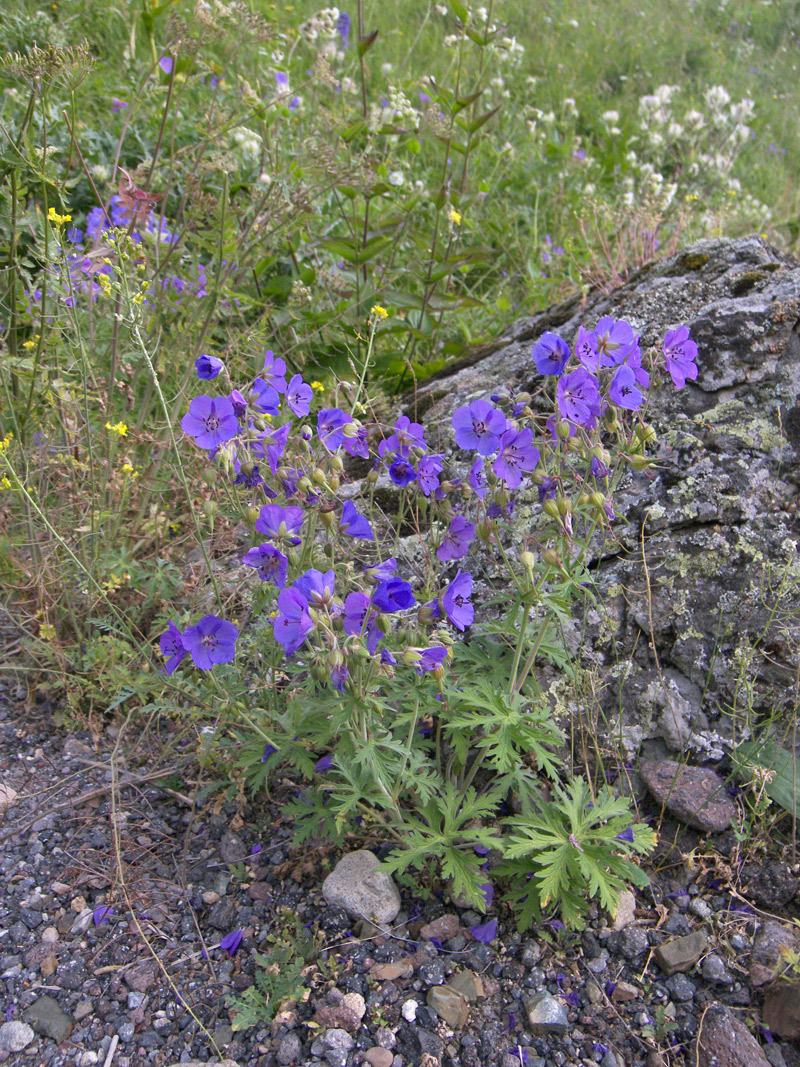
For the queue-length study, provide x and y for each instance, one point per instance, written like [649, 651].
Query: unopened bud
[598, 499]
[639, 462]
[447, 486]
[350, 430]
[425, 614]
[209, 508]
[334, 482]
[319, 476]
[328, 518]
[646, 434]
[575, 444]
[550, 507]
[384, 624]
[564, 505]
[528, 560]
[304, 484]
[551, 557]
[209, 476]
[336, 463]
[372, 477]
[252, 514]
[563, 430]
[584, 499]
[485, 530]
[501, 498]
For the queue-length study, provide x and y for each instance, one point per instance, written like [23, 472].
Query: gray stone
[546, 1015]
[449, 1005]
[714, 970]
[630, 942]
[15, 1036]
[290, 1050]
[531, 954]
[695, 795]
[767, 958]
[680, 987]
[724, 1041]
[47, 1018]
[378, 1057]
[357, 885]
[682, 953]
[781, 1011]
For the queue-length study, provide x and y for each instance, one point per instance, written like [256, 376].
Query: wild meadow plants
[186, 187]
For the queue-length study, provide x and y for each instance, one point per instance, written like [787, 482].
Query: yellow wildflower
[376, 313]
[318, 387]
[58, 220]
[5, 483]
[117, 427]
[455, 217]
[128, 469]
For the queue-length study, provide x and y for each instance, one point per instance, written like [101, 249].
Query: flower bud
[209, 508]
[252, 514]
[336, 462]
[598, 500]
[447, 486]
[411, 657]
[304, 484]
[485, 530]
[528, 560]
[564, 505]
[584, 499]
[575, 444]
[646, 434]
[319, 476]
[209, 476]
[550, 507]
[501, 498]
[438, 673]
[552, 558]
[563, 429]
[639, 462]
[334, 482]
[372, 477]
[425, 614]
[384, 624]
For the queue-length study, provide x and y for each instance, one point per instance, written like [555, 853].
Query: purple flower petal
[485, 932]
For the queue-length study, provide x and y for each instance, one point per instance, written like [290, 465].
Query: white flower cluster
[320, 26]
[247, 142]
[705, 146]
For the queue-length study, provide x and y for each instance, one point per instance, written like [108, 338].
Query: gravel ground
[147, 983]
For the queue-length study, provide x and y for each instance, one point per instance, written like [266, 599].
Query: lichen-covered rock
[716, 520]
[724, 1041]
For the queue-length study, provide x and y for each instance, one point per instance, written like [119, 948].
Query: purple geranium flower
[457, 541]
[627, 835]
[279, 523]
[407, 435]
[272, 565]
[298, 396]
[485, 932]
[317, 587]
[208, 367]
[239, 403]
[210, 421]
[681, 353]
[101, 914]
[430, 467]
[615, 341]
[274, 371]
[230, 942]
[356, 610]
[329, 427]
[343, 27]
[212, 640]
[264, 397]
[425, 659]
[550, 354]
[166, 64]
[393, 595]
[488, 893]
[269, 750]
[623, 390]
[293, 622]
[579, 397]
[477, 478]
[402, 473]
[479, 426]
[355, 440]
[517, 454]
[323, 764]
[381, 572]
[171, 645]
[354, 525]
[456, 602]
